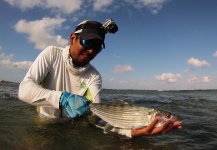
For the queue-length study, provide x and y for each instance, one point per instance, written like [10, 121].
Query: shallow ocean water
[22, 128]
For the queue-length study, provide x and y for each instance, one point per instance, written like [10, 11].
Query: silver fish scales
[128, 116]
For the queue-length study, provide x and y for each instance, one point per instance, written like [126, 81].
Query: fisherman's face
[81, 56]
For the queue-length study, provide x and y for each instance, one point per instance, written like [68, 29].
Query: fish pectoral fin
[108, 128]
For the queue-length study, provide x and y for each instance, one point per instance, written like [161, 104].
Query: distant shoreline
[3, 81]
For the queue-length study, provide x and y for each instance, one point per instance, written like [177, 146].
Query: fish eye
[168, 116]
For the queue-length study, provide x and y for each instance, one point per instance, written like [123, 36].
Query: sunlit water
[22, 128]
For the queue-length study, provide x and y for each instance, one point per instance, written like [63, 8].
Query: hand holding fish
[151, 130]
[138, 120]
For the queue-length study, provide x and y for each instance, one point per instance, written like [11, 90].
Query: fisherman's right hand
[151, 130]
[74, 105]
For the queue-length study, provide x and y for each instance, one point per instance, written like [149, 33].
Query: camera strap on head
[108, 26]
[89, 26]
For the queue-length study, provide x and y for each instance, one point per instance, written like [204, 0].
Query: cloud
[68, 6]
[206, 79]
[6, 62]
[116, 83]
[71, 6]
[198, 63]
[121, 69]
[22, 64]
[24, 4]
[153, 5]
[169, 77]
[215, 54]
[192, 79]
[196, 79]
[100, 5]
[41, 32]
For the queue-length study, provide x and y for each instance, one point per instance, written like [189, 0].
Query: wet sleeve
[125, 132]
[30, 90]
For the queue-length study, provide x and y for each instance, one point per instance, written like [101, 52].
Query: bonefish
[129, 116]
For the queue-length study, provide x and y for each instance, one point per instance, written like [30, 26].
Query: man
[61, 82]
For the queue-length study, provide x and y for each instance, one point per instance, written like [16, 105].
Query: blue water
[22, 128]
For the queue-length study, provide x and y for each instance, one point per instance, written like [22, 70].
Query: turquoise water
[22, 128]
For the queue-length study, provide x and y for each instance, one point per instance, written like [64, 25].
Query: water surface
[22, 128]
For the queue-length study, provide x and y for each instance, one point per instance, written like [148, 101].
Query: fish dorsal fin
[118, 101]
[108, 128]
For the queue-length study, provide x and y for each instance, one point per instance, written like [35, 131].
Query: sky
[160, 44]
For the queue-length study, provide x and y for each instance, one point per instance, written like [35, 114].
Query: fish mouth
[179, 119]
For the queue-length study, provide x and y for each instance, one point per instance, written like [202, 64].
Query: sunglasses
[91, 44]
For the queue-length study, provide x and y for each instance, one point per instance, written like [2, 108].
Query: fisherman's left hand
[152, 130]
[74, 105]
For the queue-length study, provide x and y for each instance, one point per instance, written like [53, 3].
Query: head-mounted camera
[109, 26]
